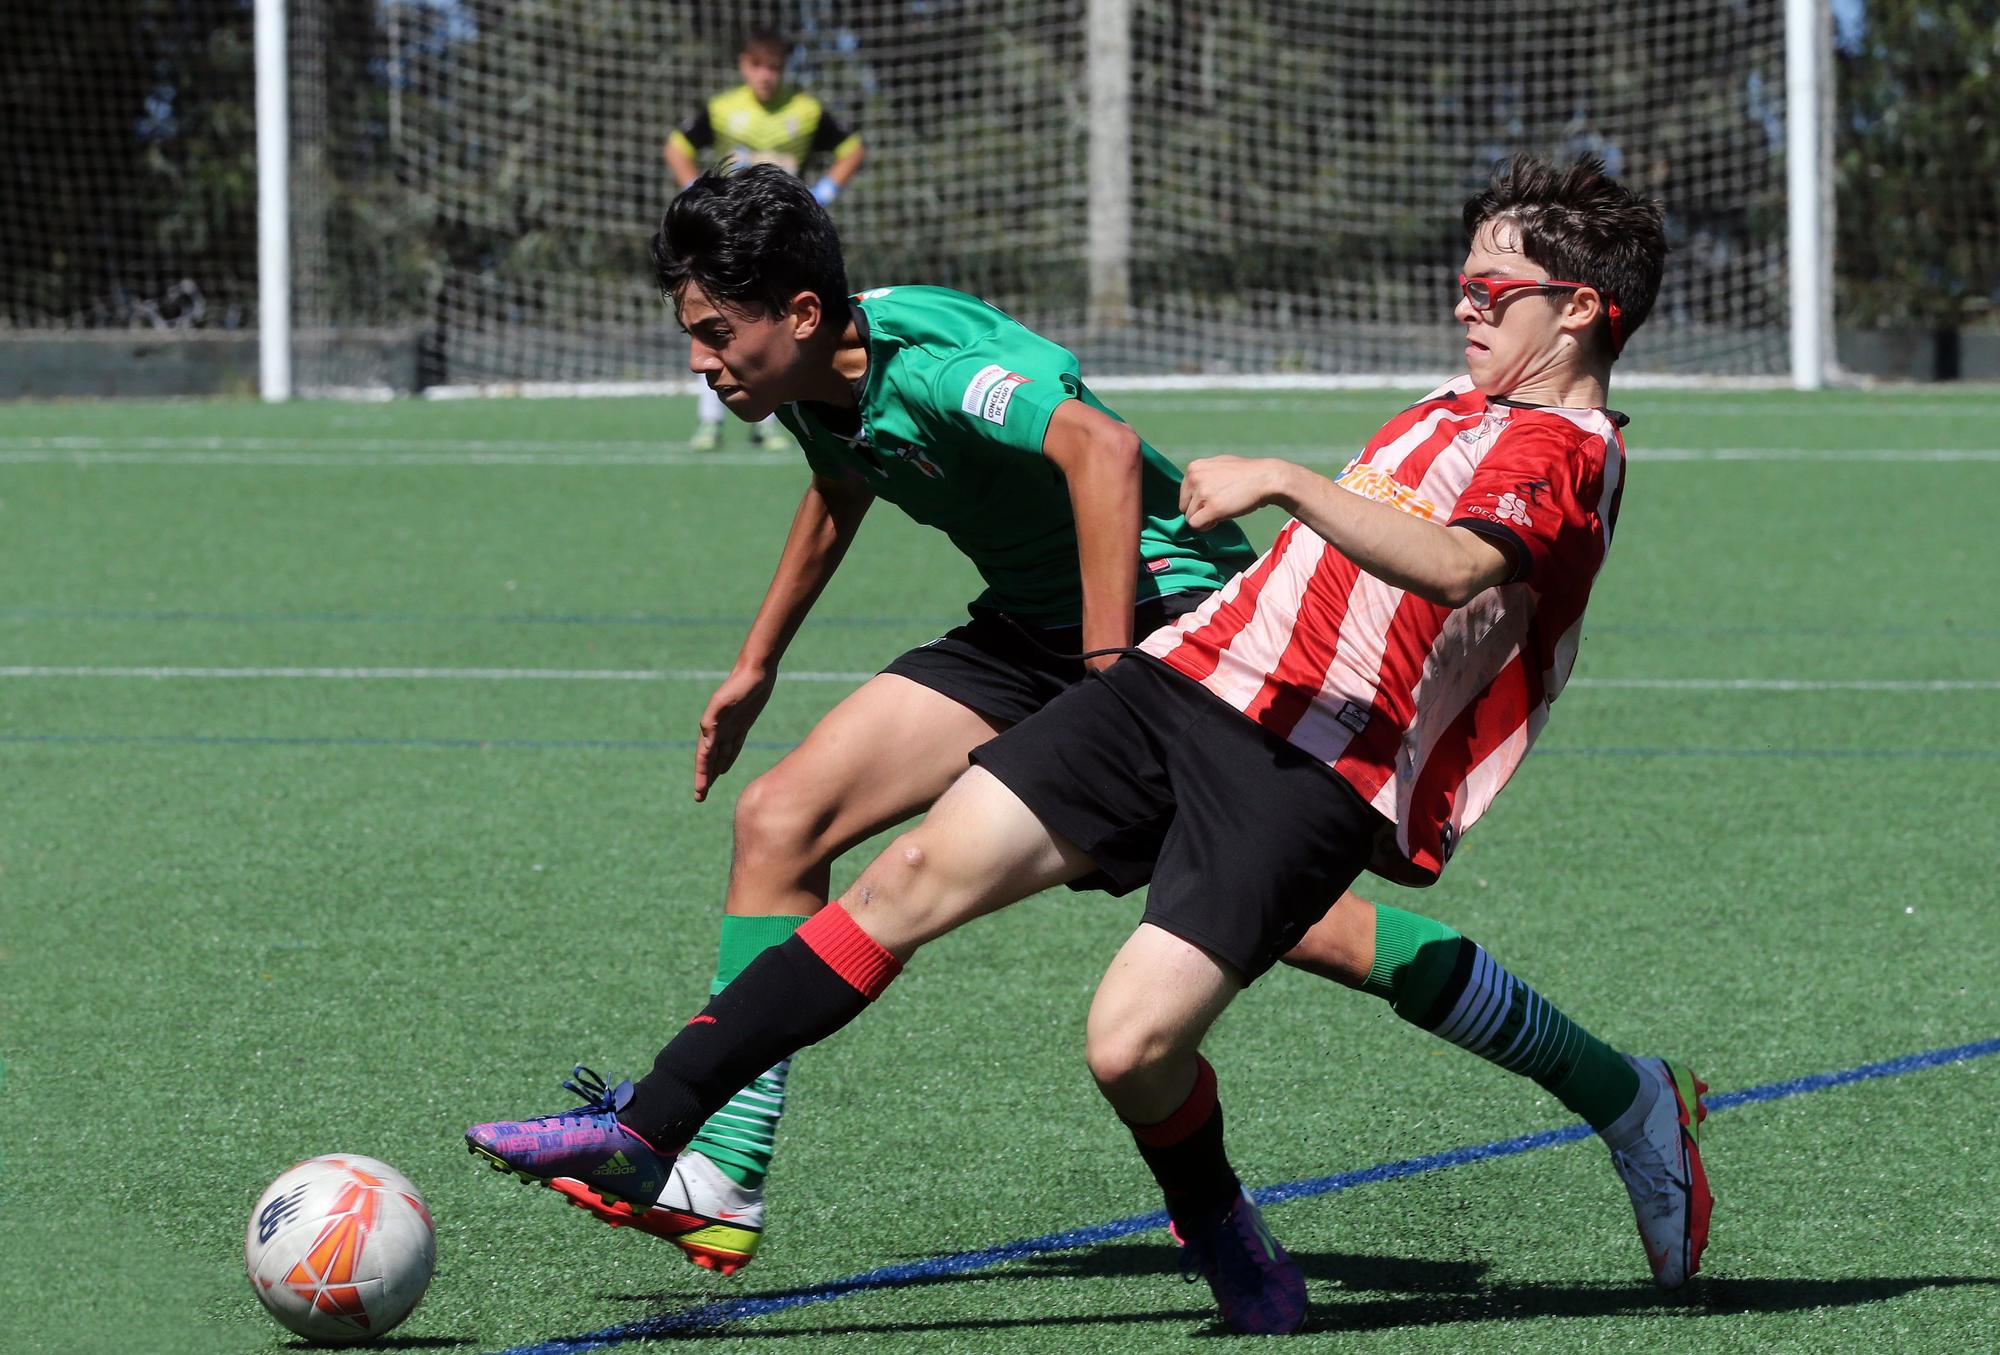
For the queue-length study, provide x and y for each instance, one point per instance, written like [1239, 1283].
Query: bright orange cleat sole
[683, 1230]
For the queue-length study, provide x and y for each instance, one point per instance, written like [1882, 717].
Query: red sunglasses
[1485, 293]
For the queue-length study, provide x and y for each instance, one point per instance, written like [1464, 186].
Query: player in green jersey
[766, 120]
[972, 423]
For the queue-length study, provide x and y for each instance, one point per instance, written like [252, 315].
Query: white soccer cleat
[1662, 1171]
[704, 1212]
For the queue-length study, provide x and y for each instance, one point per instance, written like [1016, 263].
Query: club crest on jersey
[916, 456]
[990, 391]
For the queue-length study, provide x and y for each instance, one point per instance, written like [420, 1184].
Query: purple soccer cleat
[585, 1153]
[1256, 1284]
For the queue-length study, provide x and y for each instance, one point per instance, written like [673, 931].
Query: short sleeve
[1527, 494]
[698, 130]
[829, 135]
[1003, 390]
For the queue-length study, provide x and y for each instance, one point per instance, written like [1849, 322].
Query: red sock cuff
[834, 936]
[1192, 1115]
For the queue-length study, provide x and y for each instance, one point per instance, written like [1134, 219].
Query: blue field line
[772, 745]
[708, 1315]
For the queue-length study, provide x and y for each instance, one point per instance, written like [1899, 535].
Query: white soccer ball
[340, 1248]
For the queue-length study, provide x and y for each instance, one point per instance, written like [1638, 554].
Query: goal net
[1222, 188]
[1295, 171]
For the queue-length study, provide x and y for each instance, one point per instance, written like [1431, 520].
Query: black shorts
[1008, 669]
[1246, 840]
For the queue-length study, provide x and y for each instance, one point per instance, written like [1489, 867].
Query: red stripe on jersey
[1466, 742]
[1416, 464]
[1287, 694]
[1201, 649]
[1370, 760]
[1400, 426]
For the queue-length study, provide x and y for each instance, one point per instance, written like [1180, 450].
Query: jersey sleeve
[697, 133]
[1532, 496]
[1002, 390]
[831, 136]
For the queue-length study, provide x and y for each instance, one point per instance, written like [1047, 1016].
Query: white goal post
[1187, 192]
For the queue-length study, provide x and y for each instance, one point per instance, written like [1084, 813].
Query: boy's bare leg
[882, 755]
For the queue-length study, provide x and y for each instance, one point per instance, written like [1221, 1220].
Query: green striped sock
[741, 1137]
[1445, 984]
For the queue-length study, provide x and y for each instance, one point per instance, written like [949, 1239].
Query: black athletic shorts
[1246, 840]
[1008, 669]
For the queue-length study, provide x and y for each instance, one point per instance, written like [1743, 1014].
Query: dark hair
[751, 239]
[1583, 226]
[767, 38]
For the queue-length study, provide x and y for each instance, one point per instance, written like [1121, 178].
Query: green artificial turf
[249, 919]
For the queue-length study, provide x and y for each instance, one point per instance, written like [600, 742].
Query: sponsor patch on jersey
[1355, 717]
[1512, 508]
[990, 391]
[1379, 485]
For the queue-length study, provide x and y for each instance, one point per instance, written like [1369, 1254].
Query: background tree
[1917, 143]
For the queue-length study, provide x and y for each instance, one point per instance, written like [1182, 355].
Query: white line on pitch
[418, 674]
[717, 674]
[371, 452]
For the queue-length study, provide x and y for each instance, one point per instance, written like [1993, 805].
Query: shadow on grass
[394, 1343]
[1425, 1294]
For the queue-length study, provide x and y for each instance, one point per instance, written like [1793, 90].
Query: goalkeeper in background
[763, 121]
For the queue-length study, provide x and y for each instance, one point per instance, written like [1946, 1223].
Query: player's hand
[826, 190]
[1218, 488]
[726, 722]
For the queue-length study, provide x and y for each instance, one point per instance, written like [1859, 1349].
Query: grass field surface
[345, 763]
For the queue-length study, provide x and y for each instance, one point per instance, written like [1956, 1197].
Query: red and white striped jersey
[1424, 710]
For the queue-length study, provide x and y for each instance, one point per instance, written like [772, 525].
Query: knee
[777, 817]
[1124, 1059]
[906, 896]
[901, 879]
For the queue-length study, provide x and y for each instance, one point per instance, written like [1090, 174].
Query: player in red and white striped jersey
[1423, 701]
[1394, 654]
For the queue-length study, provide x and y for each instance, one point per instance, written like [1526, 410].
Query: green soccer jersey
[953, 408]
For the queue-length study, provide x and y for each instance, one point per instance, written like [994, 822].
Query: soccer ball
[340, 1248]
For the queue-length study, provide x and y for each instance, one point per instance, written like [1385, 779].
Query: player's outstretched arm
[1099, 458]
[1446, 565]
[847, 163]
[680, 161]
[829, 515]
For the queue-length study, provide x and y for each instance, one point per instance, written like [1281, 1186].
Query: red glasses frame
[1482, 294]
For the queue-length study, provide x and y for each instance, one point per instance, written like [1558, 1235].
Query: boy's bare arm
[1446, 565]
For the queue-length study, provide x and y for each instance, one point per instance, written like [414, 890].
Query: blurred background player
[766, 120]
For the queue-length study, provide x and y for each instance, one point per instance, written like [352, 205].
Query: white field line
[717, 674]
[339, 452]
[1247, 381]
[373, 452]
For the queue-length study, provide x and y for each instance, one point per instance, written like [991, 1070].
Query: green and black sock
[1440, 981]
[741, 1137]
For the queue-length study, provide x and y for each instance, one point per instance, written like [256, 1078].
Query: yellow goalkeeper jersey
[792, 127]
